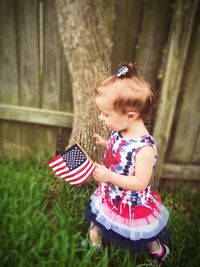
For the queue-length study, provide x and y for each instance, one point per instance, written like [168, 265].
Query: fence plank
[8, 54]
[63, 139]
[178, 46]
[182, 172]
[66, 104]
[37, 116]
[46, 141]
[109, 15]
[11, 139]
[187, 123]
[191, 187]
[51, 80]
[128, 15]
[28, 52]
[52, 58]
[28, 65]
[66, 100]
[152, 37]
[196, 150]
[9, 76]
[1, 141]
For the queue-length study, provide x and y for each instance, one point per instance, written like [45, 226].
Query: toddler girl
[124, 209]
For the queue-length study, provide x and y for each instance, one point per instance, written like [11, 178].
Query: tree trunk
[87, 47]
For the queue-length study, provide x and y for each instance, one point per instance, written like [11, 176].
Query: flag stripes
[73, 165]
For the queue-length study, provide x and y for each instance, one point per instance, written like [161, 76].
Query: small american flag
[73, 165]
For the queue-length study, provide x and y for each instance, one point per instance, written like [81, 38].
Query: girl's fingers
[97, 165]
[95, 135]
[97, 140]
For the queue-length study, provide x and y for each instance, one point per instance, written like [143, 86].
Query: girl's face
[115, 121]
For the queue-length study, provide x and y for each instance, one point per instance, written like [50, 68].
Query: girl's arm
[99, 140]
[143, 172]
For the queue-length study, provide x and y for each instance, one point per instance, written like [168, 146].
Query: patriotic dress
[128, 218]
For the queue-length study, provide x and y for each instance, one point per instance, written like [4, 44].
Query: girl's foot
[96, 246]
[161, 254]
[88, 245]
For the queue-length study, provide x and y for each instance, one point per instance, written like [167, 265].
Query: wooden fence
[162, 36]
[34, 82]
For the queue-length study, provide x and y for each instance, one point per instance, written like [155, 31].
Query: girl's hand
[101, 173]
[99, 140]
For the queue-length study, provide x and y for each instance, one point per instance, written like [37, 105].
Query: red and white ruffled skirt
[132, 226]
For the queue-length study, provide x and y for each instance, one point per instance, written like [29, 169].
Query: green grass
[41, 228]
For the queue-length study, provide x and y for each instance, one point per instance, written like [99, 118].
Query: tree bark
[87, 47]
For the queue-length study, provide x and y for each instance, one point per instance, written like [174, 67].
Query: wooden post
[152, 37]
[179, 39]
[187, 121]
[126, 30]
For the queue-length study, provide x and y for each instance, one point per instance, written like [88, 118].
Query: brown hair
[138, 95]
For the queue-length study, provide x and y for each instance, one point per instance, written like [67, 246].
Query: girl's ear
[132, 115]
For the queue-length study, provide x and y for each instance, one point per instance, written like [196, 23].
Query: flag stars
[74, 157]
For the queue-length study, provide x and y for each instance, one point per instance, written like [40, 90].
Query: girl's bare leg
[154, 246]
[95, 234]
[158, 250]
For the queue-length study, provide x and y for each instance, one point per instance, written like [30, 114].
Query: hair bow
[123, 70]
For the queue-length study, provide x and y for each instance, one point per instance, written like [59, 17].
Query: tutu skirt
[133, 233]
